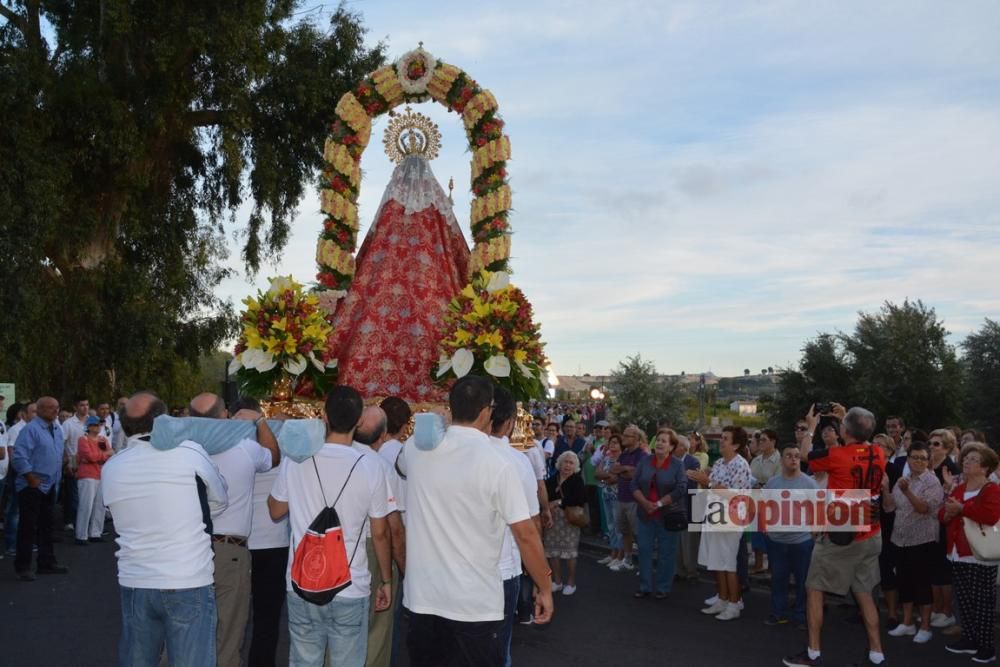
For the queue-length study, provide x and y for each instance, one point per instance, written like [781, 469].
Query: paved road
[74, 620]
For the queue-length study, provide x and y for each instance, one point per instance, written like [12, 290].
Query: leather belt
[230, 539]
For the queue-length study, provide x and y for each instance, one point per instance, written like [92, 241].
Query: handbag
[576, 516]
[983, 540]
[675, 521]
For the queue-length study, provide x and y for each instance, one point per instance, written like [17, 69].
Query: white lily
[332, 363]
[235, 365]
[525, 371]
[316, 362]
[265, 361]
[279, 285]
[444, 365]
[462, 361]
[296, 365]
[498, 280]
[498, 366]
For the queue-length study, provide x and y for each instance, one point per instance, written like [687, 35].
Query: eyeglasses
[918, 458]
[972, 458]
[935, 443]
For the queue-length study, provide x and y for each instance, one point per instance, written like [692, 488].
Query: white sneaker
[941, 621]
[903, 631]
[923, 636]
[716, 607]
[68, 528]
[615, 565]
[740, 604]
[627, 565]
[605, 560]
[569, 590]
[712, 600]
[556, 587]
[731, 612]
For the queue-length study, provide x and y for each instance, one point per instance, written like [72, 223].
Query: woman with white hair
[567, 496]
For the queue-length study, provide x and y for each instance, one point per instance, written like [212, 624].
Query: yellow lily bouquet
[284, 333]
[489, 329]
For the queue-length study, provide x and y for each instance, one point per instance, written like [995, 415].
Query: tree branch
[16, 20]
[205, 117]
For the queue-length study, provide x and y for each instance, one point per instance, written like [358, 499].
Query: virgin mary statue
[412, 262]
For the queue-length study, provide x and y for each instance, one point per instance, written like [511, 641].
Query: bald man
[38, 456]
[165, 556]
[238, 466]
[368, 437]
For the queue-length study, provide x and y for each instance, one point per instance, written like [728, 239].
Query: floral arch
[416, 77]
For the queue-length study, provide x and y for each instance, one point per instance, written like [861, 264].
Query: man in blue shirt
[38, 460]
[568, 441]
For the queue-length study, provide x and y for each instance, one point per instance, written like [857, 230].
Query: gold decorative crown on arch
[411, 133]
[416, 77]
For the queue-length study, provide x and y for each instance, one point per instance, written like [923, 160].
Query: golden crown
[411, 133]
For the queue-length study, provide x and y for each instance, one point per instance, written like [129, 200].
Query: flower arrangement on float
[284, 334]
[489, 329]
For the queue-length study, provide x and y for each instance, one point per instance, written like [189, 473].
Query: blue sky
[710, 184]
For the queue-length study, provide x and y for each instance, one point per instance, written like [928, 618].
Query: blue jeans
[511, 591]
[614, 535]
[789, 560]
[185, 619]
[652, 532]
[339, 628]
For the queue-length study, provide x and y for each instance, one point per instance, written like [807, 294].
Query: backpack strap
[349, 474]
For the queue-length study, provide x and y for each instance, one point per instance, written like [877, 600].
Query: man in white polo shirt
[460, 497]
[164, 556]
[338, 629]
[502, 424]
[238, 466]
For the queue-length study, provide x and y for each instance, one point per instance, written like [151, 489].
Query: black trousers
[433, 641]
[35, 527]
[267, 595]
[914, 566]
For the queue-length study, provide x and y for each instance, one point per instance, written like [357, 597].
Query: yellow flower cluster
[280, 317]
[352, 113]
[484, 254]
[387, 85]
[477, 108]
[329, 254]
[497, 150]
[341, 159]
[491, 204]
[441, 82]
[339, 207]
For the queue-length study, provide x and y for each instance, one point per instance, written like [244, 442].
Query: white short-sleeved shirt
[390, 480]
[536, 457]
[510, 555]
[73, 429]
[364, 496]
[460, 498]
[266, 533]
[389, 451]
[238, 465]
[153, 497]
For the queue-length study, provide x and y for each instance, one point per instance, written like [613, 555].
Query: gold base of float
[284, 403]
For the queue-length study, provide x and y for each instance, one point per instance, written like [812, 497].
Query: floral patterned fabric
[411, 264]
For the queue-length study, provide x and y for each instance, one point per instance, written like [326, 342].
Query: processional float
[415, 308]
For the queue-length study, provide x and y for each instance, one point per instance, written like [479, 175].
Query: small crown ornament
[411, 133]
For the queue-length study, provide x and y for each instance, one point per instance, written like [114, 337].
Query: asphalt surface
[73, 620]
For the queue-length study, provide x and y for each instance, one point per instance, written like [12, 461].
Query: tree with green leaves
[643, 397]
[897, 361]
[982, 380]
[132, 132]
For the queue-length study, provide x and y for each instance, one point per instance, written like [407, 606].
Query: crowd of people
[469, 535]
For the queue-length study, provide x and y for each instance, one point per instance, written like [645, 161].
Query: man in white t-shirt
[164, 555]
[461, 495]
[238, 466]
[73, 429]
[501, 426]
[338, 629]
[368, 435]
